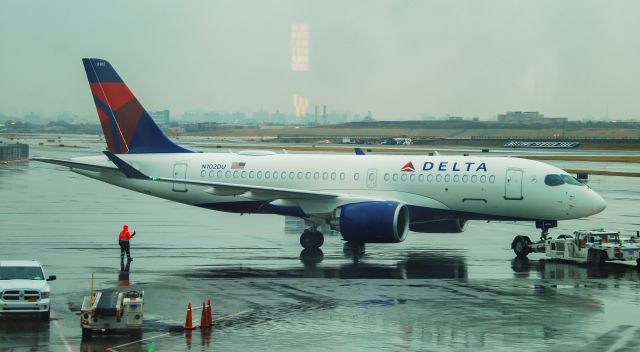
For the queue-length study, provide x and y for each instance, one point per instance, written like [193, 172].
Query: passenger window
[299, 175]
[456, 178]
[447, 178]
[259, 174]
[267, 174]
[283, 175]
[203, 173]
[356, 176]
[403, 177]
[474, 178]
[492, 178]
[438, 178]
[316, 175]
[325, 175]
[235, 174]
[243, 174]
[251, 173]
[275, 175]
[387, 177]
[483, 178]
[292, 175]
[333, 175]
[219, 174]
[307, 175]
[342, 176]
[412, 178]
[421, 178]
[212, 173]
[227, 174]
[430, 178]
[465, 178]
[553, 180]
[395, 177]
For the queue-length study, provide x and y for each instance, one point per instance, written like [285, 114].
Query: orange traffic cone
[204, 323]
[188, 323]
[210, 312]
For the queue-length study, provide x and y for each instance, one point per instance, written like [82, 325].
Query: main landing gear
[311, 239]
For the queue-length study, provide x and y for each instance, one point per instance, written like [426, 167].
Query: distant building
[261, 116]
[278, 118]
[161, 117]
[530, 117]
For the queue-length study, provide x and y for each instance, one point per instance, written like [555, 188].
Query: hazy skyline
[398, 59]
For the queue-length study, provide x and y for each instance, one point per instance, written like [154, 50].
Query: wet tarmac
[433, 292]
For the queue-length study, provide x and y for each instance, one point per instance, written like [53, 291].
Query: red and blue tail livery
[127, 126]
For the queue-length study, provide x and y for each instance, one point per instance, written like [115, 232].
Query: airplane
[367, 198]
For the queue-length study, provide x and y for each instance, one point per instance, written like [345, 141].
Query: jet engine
[440, 226]
[373, 222]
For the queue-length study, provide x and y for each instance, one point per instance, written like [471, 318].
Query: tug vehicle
[590, 246]
[112, 312]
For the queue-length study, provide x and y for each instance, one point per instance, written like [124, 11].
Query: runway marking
[62, 337]
[623, 340]
[113, 349]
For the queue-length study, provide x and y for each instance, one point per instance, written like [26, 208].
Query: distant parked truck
[590, 246]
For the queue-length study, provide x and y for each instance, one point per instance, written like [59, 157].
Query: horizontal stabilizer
[127, 169]
[74, 164]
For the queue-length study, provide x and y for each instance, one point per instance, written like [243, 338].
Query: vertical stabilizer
[127, 126]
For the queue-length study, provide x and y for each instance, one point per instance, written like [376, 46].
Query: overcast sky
[398, 59]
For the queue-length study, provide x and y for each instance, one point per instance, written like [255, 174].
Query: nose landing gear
[311, 239]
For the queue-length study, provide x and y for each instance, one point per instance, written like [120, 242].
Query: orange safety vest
[124, 235]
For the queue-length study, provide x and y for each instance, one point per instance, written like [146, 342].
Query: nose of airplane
[596, 203]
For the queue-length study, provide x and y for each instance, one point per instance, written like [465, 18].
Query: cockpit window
[571, 180]
[553, 180]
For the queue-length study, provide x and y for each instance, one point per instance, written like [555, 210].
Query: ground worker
[123, 240]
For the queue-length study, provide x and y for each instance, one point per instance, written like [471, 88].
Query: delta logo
[408, 167]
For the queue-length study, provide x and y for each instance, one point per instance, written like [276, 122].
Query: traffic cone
[203, 318]
[188, 323]
[210, 313]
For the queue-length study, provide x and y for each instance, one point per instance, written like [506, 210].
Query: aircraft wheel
[311, 239]
[520, 246]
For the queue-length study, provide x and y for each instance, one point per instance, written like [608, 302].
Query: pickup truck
[24, 288]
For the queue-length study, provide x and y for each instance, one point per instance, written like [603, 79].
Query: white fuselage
[488, 187]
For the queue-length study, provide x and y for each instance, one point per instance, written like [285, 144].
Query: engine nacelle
[440, 226]
[374, 222]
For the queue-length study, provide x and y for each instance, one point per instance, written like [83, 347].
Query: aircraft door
[180, 171]
[513, 184]
[372, 177]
